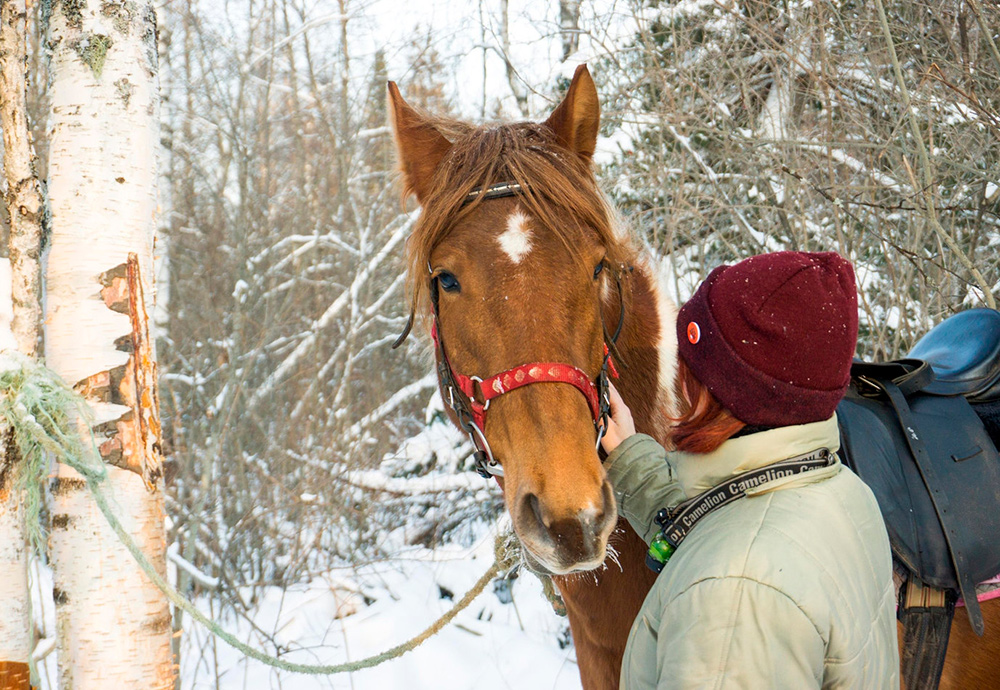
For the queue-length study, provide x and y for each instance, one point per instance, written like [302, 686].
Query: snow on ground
[508, 637]
[491, 644]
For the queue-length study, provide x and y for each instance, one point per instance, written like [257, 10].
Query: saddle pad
[965, 462]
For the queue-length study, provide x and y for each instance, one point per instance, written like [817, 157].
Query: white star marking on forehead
[516, 240]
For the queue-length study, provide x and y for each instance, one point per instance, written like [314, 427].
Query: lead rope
[311, 669]
[39, 407]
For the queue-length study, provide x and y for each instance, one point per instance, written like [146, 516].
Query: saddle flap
[966, 466]
[964, 351]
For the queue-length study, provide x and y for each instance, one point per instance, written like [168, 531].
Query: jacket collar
[699, 472]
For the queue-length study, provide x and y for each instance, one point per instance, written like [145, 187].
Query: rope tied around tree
[40, 408]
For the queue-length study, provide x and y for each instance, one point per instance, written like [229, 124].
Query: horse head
[516, 262]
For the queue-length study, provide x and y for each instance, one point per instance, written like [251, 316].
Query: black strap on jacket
[675, 523]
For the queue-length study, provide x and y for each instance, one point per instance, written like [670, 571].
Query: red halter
[524, 375]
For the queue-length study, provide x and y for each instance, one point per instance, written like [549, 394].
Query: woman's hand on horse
[620, 424]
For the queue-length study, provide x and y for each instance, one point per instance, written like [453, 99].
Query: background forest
[301, 449]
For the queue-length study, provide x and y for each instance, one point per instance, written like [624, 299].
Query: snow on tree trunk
[113, 625]
[25, 206]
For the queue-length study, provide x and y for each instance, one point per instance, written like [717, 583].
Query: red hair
[704, 424]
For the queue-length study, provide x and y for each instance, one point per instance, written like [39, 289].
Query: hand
[620, 424]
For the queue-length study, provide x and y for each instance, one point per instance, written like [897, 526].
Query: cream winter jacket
[789, 587]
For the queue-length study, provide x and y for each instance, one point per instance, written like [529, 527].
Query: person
[788, 583]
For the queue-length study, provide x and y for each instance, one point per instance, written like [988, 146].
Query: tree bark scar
[104, 386]
[132, 441]
[142, 363]
[63, 485]
[61, 521]
[115, 285]
[160, 624]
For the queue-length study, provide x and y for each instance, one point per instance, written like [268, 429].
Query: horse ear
[419, 146]
[575, 121]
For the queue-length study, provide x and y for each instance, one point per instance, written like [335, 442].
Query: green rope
[36, 403]
[174, 596]
[37, 406]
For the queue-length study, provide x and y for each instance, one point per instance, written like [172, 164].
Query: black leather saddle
[909, 431]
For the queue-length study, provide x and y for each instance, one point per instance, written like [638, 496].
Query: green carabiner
[660, 551]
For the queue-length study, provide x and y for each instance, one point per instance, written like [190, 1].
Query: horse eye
[448, 282]
[597, 271]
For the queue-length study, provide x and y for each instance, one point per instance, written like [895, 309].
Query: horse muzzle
[568, 540]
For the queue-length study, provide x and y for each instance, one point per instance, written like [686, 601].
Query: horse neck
[648, 351]
[601, 608]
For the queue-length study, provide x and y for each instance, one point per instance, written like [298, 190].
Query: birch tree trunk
[569, 26]
[15, 635]
[113, 625]
[15, 638]
[25, 205]
[516, 85]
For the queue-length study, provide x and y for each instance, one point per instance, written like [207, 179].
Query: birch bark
[113, 625]
[26, 208]
[15, 640]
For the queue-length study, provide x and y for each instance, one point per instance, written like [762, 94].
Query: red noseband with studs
[481, 391]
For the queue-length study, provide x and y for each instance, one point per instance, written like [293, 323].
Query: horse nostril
[536, 510]
[608, 506]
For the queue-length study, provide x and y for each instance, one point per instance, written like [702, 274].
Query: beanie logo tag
[694, 333]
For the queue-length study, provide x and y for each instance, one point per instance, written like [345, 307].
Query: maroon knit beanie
[772, 337]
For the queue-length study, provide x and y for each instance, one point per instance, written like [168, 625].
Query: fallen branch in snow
[373, 480]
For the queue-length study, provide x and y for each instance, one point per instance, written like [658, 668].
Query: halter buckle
[472, 398]
[486, 464]
[602, 429]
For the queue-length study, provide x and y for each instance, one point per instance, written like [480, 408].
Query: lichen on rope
[40, 408]
[37, 407]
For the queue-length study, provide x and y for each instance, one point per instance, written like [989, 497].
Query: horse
[523, 275]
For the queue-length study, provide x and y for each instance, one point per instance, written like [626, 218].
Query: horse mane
[555, 183]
